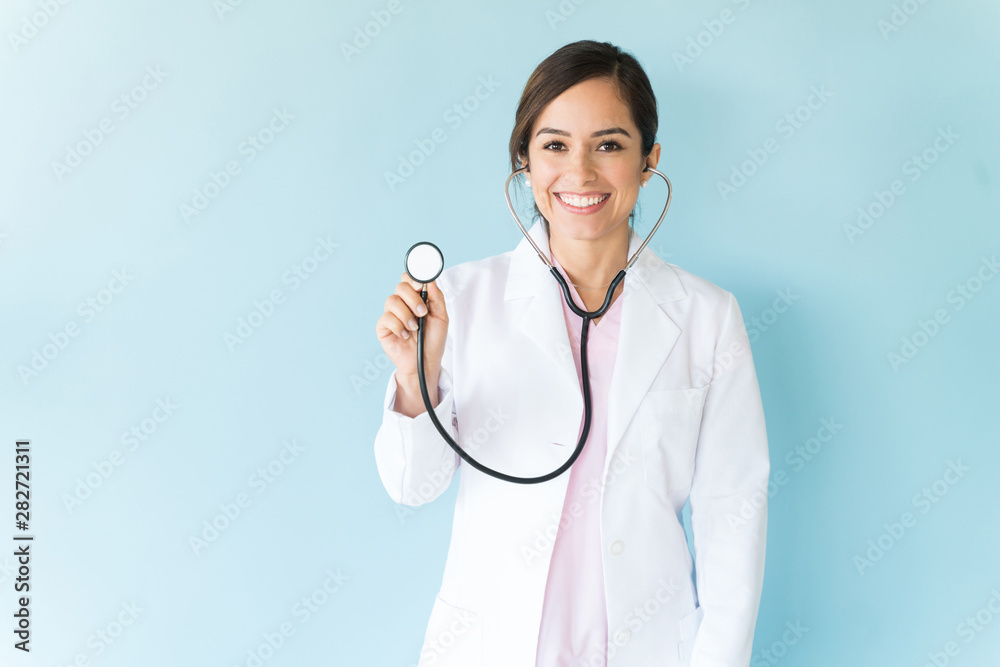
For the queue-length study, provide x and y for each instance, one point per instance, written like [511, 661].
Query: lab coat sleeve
[729, 503]
[414, 462]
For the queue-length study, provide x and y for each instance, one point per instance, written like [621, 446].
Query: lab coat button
[622, 636]
[617, 547]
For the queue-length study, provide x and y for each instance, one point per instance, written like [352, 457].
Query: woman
[591, 567]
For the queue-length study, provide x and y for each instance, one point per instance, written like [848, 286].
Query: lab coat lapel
[542, 320]
[646, 337]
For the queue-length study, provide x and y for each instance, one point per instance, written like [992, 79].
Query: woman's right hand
[399, 339]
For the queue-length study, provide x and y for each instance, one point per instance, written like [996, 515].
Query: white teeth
[583, 202]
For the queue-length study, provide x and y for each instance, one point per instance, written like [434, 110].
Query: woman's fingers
[435, 301]
[435, 298]
[395, 305]
[410, 295]
[389, 324]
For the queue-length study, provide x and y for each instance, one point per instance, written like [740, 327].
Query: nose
[580, 169]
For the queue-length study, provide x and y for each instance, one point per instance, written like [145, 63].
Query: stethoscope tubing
[587, 317]
[586, 398]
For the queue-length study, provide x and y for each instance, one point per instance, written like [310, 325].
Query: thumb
[435, 300]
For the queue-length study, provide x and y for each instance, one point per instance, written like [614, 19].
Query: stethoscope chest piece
[424, 262]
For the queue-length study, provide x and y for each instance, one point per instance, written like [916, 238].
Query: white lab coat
[685, 420]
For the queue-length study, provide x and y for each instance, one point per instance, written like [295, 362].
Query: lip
[587, 210]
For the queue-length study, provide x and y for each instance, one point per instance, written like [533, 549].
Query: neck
[591, 263]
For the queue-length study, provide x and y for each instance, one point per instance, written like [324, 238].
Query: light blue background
[314, 372]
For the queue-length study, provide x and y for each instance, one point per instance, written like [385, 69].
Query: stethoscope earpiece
[424, 263]
[541, 255]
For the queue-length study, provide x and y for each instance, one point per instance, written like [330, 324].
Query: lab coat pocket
[671, 422]
[689, 629]
[454, 637]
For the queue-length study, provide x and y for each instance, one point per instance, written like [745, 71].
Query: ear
[523, 159]
[653, 158]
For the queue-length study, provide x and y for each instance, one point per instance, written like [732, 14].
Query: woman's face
[585, 161]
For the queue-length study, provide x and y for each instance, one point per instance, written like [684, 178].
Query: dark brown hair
[573, 64]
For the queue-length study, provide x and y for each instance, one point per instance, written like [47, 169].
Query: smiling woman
[587, 117]
[574, 569]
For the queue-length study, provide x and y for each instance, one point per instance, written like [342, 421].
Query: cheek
[544, 188]
[625, 179]
[544, 178]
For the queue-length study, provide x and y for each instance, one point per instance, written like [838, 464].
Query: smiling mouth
[582, 202]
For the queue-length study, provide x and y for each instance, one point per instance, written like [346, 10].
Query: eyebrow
[599, 133]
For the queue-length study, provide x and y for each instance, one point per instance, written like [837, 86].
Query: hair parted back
[573, 64]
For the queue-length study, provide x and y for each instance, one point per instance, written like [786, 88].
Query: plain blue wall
[310, 378]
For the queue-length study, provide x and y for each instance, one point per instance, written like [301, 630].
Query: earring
[527, 182]
[644, 184]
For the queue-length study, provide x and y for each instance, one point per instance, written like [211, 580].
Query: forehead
[588, 106]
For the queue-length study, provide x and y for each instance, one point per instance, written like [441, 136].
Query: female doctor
[592, 567]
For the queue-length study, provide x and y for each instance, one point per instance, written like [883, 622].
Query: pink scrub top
[573, 631]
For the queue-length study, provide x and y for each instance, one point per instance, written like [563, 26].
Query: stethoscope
[424, 263]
